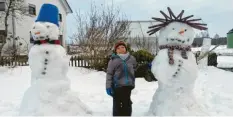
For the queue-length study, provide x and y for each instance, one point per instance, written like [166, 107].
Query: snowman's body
[49, 93]
[174, 95]
[48, 60]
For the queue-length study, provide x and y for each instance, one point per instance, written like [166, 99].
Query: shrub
[144, 58]
[212, 59]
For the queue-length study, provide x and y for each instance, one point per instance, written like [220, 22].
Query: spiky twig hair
[173, 18]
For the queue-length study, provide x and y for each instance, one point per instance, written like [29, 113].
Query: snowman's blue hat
[48, 13]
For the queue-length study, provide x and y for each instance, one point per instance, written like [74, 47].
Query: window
[61, 39]
[2, 6]
[32, 9]
[60, 17]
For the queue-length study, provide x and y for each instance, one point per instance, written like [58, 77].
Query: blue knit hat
[48, 13]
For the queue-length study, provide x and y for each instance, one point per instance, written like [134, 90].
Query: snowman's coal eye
[48, 26]
[173, 28]
[185, 30]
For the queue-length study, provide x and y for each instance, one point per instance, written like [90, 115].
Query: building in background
[139, 38]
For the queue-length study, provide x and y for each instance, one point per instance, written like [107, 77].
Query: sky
[218, 14]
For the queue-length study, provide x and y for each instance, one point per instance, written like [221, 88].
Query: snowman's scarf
[171, 49]
[39, 42]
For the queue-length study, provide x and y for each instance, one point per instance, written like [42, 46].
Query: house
[22, 27]
[138, 36]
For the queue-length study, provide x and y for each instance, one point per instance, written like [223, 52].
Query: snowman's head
[176, 33]
[45, 30]
[176, 30]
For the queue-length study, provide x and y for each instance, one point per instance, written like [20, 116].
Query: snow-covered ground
[213, 90]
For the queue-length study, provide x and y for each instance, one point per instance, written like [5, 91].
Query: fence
[14, 61]
[75, 61]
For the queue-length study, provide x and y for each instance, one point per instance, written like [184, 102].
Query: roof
[67, 6]
[140, 28]
[231, 31]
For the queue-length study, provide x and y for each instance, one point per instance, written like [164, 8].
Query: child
[120, 79]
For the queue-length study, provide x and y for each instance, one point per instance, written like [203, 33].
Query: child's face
[121, 49]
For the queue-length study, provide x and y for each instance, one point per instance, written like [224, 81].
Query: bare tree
[14, 11]
[99, 29]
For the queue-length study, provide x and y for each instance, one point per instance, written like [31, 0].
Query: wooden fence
[87, 62]
[14, 61]
[75, 61]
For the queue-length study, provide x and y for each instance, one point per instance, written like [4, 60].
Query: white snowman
[49, 93]
[175, 66]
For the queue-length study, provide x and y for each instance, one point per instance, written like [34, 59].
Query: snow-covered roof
[140, 28]
[67, 6]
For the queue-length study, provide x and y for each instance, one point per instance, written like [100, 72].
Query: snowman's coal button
[178, 69]
[179, 65]
[46, 52]
[46, 60]
[176, 72]
[45, 68]
[45, 63]
[174, 75]
[43, 73]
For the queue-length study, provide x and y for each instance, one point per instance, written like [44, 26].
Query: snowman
[175, 66]
[49, 93]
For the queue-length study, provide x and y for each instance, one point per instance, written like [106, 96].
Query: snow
[195, 49]
[225, 61]
[224, 52]
[213, 89]
[89, 84]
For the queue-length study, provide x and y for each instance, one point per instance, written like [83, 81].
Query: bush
[212, 59]
[99, 64]
[144, 58]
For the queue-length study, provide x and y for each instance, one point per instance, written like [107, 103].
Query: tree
[216, 36]
[98, 30]
[14, 11]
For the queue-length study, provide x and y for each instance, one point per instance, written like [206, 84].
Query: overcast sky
[218, 14]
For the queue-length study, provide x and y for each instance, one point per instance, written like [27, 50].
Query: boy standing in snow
[120, 79]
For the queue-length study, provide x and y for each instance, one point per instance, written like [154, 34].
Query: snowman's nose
[37, 33]
[182, 32]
